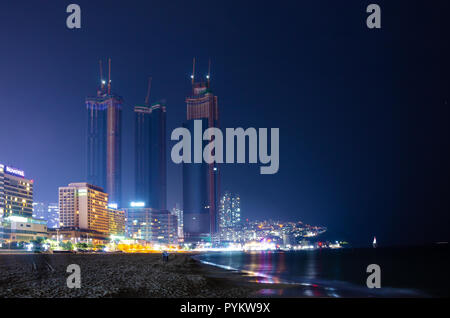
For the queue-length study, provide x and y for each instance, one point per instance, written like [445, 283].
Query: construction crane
[209, 72]
[109, 76]
[193, 70]
[102, 81]
[148, 91]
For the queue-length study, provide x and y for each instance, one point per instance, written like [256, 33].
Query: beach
[121, 275]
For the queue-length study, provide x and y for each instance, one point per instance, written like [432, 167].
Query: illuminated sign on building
[15, 172]
[113, 206]
[137, 204]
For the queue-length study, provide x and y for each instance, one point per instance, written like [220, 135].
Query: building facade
[104, 142]
[229, 216]
[151, 225]
[85, 206]
[229, 210]
[200, 180]
[47, 212]
[22, 229]
[116, 222]
[16, 208]
[150, 155]
[178, 212]
[16, 193]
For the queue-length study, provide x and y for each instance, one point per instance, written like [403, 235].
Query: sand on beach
[120, 275]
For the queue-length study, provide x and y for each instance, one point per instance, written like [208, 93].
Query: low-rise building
[22, 229]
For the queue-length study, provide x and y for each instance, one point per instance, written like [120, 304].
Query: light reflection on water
[308, 274]
[264, 267]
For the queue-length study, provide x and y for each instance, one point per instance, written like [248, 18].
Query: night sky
[363, 114]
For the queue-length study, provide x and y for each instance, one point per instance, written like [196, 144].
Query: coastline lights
[137, 204]
[260, 246]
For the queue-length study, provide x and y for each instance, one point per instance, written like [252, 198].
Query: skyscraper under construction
[150, 154]
[104, 145]
[200, 180]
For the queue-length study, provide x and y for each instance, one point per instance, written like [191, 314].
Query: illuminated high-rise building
[150, 155]
[229, 217]
[104, 144]
[16, 208]
[178, 212]
[229, 211]
[200, 180]
[116, 222]
[85, 206]
[16, 193]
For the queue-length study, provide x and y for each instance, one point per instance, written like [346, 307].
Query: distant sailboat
[374, 242]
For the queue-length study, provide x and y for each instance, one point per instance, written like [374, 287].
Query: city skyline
[363, 135]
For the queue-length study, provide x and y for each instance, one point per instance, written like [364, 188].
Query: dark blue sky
[363, 114]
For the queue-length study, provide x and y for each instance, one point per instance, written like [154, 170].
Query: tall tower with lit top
[104, 140]
[200, 180]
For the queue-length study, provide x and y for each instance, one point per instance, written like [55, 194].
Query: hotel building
[85, 206]
[16, 193]
[16, 208]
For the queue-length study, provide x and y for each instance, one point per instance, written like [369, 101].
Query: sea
[405, 271]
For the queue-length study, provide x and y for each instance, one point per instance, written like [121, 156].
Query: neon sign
[15, 171]
[137, 204]
[114, 206]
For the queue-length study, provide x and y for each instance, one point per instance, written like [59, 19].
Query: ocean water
[405, 272]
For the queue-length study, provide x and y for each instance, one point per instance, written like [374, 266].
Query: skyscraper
[150, 155]
[229, 216]
[200, 180]
[229, 211]
[179, 214]
[104, 144]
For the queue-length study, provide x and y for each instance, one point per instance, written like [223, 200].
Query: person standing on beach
[165, 256]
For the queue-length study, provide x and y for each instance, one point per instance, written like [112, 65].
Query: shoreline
[145, 275]
[122, 275]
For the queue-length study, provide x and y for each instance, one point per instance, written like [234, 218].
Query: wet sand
[123, 275]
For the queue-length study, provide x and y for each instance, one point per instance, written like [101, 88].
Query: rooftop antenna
[208, 77]
[193, 70]
[109, 76]
[102, 81]
[148, 90]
